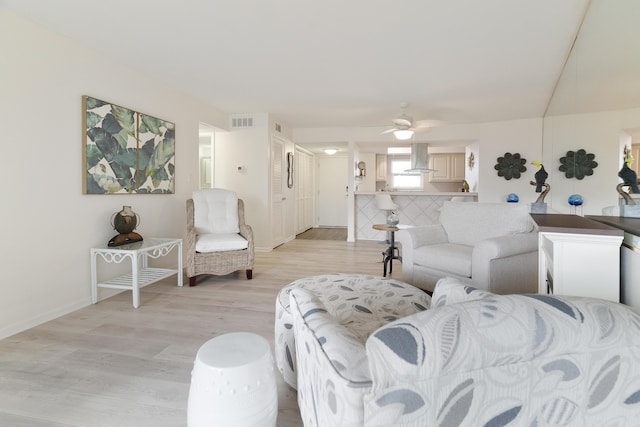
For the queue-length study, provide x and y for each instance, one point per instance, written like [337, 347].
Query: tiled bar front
[414, 208]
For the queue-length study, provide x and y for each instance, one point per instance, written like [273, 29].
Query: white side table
[141, 274]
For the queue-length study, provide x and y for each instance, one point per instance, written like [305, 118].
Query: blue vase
[575, 200]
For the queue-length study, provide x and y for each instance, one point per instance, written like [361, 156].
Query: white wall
[471, 172]
[251, 148]
[248, 148]
[597, 133]
[49, 225]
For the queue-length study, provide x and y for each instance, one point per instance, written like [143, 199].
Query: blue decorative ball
[513, 198]
[575, 200]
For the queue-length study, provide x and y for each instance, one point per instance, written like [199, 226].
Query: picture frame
[125, 151]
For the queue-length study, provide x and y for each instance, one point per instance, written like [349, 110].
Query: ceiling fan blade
[388, 131]
[428, 123]
[401, 121]
[422, 129]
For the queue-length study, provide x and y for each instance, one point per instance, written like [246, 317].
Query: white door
[303, 184]
[277, 192]
[332, 191]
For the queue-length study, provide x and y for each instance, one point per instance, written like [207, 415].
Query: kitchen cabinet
[449, 167]
[578, 256]
[381, 167]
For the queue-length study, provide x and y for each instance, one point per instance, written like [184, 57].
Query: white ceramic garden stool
[233, 383]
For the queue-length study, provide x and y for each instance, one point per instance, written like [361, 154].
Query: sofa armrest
[506, 264]
[190, 240]
[331, 361]
[247, 232]
[414, 237]
[505, 246]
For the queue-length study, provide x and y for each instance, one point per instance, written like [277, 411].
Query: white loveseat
[492, 246]
[473, 359]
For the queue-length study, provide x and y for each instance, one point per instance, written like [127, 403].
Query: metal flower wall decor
[578, 164]
[510, 166]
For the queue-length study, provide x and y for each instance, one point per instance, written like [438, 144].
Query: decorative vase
[392, 219]
[124, 222]
[575, 200]
[513, 198]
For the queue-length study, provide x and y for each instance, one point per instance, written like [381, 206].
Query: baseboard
[10, 330]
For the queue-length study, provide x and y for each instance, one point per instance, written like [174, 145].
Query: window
[402, 180]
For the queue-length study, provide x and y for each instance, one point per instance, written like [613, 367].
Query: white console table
[141, 274]
[578, 256]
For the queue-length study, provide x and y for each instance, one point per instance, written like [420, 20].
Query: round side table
[233, 383]
[392, 251]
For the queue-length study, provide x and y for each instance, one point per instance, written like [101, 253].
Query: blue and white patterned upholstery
[473, 359]
[517, 360]
[361, 302]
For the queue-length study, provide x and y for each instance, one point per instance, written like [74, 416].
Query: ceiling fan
[404, 126]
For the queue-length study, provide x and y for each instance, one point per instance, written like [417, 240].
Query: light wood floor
[112, 365]
[324, 233]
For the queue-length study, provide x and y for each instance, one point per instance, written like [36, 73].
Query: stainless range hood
[420, 158]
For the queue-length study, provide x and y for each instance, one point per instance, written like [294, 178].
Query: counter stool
[361, 302]
[233, 383]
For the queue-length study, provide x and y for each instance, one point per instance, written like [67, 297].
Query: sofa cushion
[215, 211]
[469, 223]
[450, 290]
[220, 242]
[453, 258]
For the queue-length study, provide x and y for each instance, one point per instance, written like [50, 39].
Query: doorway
[206, 143]
[332, 191]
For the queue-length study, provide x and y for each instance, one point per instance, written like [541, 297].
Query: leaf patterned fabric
[361, 302]
[510, 360]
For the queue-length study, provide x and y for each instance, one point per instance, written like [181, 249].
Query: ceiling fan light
[403, 134]
[330, 151]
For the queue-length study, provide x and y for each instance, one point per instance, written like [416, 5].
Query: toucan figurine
[540, 176]
[629, 176]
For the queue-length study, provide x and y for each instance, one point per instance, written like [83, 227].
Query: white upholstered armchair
[491, 246]
[218, 239]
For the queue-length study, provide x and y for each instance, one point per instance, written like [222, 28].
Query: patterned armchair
[474, 359]
[218, 239]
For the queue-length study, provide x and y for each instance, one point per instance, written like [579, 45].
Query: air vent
[241, 122]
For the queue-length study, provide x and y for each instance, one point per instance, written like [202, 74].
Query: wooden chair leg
[192, 281]
[249, 274]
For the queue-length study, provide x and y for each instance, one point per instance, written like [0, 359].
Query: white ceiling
[341, 63]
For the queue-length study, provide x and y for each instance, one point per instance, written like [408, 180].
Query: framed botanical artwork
[125, 152]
